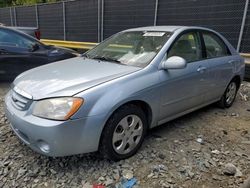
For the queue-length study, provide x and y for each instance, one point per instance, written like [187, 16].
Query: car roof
[170, 28]
[13, 27]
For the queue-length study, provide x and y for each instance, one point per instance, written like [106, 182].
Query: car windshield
[136, 48]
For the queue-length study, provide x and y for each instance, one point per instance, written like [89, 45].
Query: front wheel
[229, 95]
[124, 132]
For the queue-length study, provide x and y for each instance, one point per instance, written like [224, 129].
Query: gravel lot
[208, 148]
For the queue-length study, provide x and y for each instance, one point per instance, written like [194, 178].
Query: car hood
[68, 77]
[61, 49]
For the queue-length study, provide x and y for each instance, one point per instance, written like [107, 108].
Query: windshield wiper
[102, 58]
[85, 55]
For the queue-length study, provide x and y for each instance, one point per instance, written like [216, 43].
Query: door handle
[201, 69]
[232, 61]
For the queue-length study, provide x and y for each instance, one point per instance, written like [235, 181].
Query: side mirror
[34, 47]
[174, 62]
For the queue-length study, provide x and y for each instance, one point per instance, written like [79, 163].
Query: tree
[5, 3]
[31, 2]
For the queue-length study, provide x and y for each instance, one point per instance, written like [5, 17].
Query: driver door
[16, 55]
[183, 89]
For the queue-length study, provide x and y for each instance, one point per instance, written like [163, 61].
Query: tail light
[38, 34]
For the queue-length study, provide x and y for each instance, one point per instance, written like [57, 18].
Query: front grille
[20, 102]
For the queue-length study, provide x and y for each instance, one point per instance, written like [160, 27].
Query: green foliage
[5, 3]
[31, 2]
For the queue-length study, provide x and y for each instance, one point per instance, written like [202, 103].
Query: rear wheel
[229, 95]
[123, 133]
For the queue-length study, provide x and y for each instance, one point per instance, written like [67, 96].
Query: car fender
[107, 97]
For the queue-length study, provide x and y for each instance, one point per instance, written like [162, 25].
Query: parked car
[20, 52]
[133, 81]
[32, 31]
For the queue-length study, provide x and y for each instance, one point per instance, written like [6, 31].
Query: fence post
[98, 20]
[11, 19]
[156, 12]
[64, 21]
[37, 16]
[242, 25]
[15, 16]
[102, 17]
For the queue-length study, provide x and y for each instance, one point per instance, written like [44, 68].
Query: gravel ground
[208, 148]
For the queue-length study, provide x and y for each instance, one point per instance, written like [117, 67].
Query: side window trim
[203, 46]
[202, 32]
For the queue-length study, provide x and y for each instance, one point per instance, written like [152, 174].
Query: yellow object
[78, 45]
[77, 102]
[247, 57]
[70, 44]
[89, 45]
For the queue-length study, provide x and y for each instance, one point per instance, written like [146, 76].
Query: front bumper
[55, 138]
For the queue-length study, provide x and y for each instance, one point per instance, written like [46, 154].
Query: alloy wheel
[231, 92]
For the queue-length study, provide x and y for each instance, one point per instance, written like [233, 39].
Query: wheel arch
[146, 108]
[237, 79]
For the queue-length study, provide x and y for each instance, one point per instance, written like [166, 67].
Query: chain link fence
[25, 16]
[245, 44]
[95, 20]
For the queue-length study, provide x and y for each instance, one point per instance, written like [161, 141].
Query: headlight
[57, 108]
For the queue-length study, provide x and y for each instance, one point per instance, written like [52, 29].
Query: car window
[187, 46]
[133, 48]
[215, 47]
[11, 39]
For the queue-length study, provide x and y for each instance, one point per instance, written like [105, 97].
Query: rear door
[220, 64]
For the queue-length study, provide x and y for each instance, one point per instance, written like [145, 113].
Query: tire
[229, 95]
[123, 133]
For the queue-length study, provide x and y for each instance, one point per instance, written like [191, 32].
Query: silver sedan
[135, 80]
